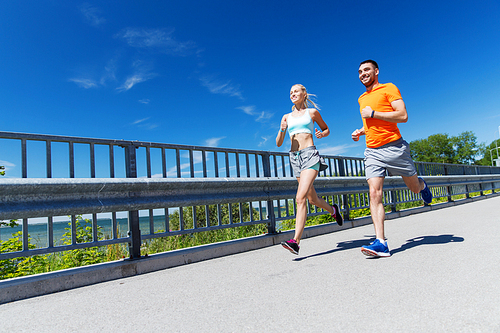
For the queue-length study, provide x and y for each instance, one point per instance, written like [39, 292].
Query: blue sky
[218, 73]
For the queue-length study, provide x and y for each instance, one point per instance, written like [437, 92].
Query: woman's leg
[306, 181]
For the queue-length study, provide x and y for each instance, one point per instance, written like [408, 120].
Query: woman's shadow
[410, 243]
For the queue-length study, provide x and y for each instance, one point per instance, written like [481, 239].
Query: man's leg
[414, 183]
[418, 185]
[379, 247]
[376, 185]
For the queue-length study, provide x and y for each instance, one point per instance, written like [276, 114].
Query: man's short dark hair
[369, 61]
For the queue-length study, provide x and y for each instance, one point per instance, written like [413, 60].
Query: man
[381, 108]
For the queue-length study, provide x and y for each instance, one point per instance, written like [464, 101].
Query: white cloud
[140, 121]
[336, 150]
[92, 15]
[221, 87]
[263, 142]
[84, 83]
[250, 109]
[144, 101]
[135, 79]
[158, 39]
[213, 142]
[261, 116]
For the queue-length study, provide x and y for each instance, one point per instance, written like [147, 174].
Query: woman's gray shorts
[306, 158]
[393, 157]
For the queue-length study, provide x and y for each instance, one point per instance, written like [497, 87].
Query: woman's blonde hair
[307, 101]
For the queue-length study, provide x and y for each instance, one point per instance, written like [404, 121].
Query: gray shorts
[307, 158]
[393, 157]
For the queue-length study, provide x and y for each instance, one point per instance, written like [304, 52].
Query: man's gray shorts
[306, 158]
[393, 157]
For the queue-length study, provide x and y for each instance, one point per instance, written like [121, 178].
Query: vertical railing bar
[48, 156]
[216, 164]
[250, 211]
[95, 228]
[230, 212]
[275, 166]
[92, 160]
[283, 167]
[261, 217]
[195, 218]
[241, 213]
[207, 216]
[247, 160]
[25, 235]
[226, 155]
[50, 232]
[191, 163]
[167, 220]
[181, 218]
[219, 215]
[178, 162]
[71, 160]
[164, 162]
[114, 225]
[204, 162]
[257, 165]
[148, 161]
[73, 229]
[24, 158]
[111, 161]
[237, 159]
[151, 222]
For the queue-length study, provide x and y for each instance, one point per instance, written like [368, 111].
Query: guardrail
[61, 175]
[31, 198]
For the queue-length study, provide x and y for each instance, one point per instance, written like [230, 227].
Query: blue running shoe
[376, 249]
[426, 193]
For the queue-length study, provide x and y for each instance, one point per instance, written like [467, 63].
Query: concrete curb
[42, 284]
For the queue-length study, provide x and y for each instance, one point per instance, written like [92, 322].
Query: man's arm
[399, 115]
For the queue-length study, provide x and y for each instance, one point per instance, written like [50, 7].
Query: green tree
[441, 148]
[466, 148]
[436, 148]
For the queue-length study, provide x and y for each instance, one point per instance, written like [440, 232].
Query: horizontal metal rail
[32, 198]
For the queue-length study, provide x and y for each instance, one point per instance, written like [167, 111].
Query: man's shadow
[427, 240]
[410, 243]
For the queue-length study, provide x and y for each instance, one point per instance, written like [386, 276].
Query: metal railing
[254, 187]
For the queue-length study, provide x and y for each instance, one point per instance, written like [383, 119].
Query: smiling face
[298, 94]
[368, 75]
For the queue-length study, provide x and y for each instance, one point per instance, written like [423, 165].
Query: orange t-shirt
[380, 132]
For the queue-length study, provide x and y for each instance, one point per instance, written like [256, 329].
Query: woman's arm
[281, 134]
[316, 117]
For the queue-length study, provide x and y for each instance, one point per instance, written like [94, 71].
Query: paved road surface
[443, 276]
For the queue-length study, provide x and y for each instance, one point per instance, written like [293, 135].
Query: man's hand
[355, 135]
[366, 112]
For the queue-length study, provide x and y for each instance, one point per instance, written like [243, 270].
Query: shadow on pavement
[427, 240]
[340, 247]
[410, 243]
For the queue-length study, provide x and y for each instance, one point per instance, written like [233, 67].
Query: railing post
[345, 197]
[449, 189]
[266, 166]
[134, 231]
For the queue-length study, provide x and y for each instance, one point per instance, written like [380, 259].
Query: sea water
[39, 231]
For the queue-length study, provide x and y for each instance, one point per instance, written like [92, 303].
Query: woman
[304, 159]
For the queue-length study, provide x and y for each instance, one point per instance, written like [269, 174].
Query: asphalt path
[443, 276]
